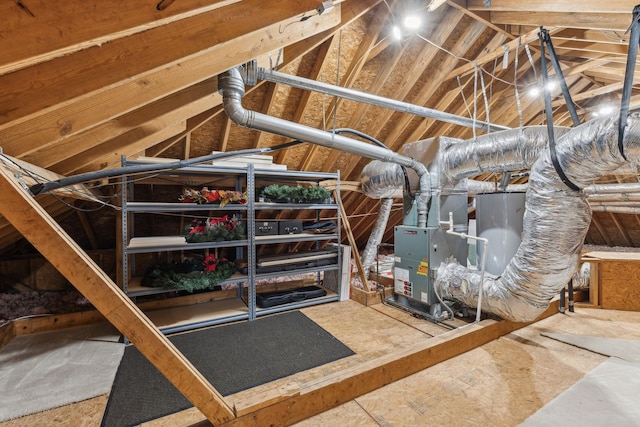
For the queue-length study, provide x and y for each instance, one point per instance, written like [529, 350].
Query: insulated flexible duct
[483, 187]
[556, 221]
[231, 87]
[382, 180]
[503, 151]
[371, 250]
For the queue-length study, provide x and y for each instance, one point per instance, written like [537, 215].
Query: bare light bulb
[396, 32]
[412, 22]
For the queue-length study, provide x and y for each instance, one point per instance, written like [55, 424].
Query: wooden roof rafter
[361, 57]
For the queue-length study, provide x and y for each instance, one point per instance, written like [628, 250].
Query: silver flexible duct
[556, 221]
[382, 180]
[504, 151]
[484, 187]
[231, 87]
[377, 232]
[582, 277]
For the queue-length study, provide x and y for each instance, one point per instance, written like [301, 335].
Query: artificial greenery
[191, 275]
[215, 230]
[296, 193]
[278, 192]
[315, 193]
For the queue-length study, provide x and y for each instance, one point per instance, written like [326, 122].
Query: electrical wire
[152, 167]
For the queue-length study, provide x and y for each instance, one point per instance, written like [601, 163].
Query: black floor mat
[232, 357]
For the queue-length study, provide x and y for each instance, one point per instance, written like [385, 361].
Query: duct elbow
[236, 112]
[231, 87]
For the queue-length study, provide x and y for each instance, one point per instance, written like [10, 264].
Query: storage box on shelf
[154, 223]
[293, 246]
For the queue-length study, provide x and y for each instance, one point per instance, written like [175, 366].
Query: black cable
[549, 114]
[129, 170]
[407, 185]
[628, 77]
[360, 134]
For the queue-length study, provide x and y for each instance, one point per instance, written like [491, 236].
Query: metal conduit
[368, 98]
[231, 87]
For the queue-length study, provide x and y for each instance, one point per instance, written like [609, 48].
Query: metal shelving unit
[242, 179]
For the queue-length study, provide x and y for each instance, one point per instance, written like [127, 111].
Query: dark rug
[233, 358]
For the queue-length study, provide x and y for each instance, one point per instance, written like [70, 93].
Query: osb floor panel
[498, 384]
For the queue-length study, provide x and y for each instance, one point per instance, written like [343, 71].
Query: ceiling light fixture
[396, 32]
[412, 22]
[603, 110]
[534, 91]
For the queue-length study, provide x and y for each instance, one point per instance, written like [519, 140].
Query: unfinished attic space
[312, 213]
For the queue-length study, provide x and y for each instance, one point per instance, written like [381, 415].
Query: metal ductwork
[504, 151]
[377, 232]
[367, 98]
[231, 87]
[381, 180]
[555, 224]
[481, 187]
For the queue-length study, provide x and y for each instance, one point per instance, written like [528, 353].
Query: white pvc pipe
[484, 255]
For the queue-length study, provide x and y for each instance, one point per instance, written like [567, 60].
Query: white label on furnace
[401, 274]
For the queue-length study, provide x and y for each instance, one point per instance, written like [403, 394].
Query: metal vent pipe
[368, 98]
[231, 87]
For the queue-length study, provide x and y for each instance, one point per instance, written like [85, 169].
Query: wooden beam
[480, 16]
[88, 229]
[178, 106]
[36, 175]
[499, 52]
[352, 242]
[76, 266]
[602, 232]
[592, 93]
[593, 36]
[193, 123]
[55, 30]
[585, 6]
[108, 156]
[574, 19]
[286, 407]
[623, 232]
[97, 84]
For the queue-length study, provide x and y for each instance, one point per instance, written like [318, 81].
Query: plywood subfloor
[500, 383]
[197, 313]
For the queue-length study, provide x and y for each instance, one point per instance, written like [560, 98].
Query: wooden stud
[352, 242]
[28, 217]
